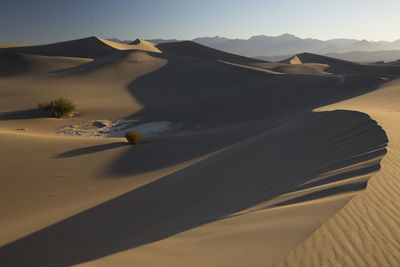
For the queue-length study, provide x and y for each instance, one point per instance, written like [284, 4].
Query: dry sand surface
[366, 231]
[258, 162]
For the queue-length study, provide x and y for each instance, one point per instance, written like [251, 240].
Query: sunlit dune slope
[91, 47]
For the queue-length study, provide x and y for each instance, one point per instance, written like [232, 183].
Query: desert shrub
[132, 137]
[61, 107]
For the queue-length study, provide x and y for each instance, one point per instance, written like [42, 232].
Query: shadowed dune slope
[366, 231]
[189, 91]
[91, 47]
[302, 69]
[22, 64]
[336, 66]
[213, 94]
[313, 64]
[314, 58]
[192, 49]
[342, 67]
[312, 157]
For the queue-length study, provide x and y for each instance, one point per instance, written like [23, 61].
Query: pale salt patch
[106, 128]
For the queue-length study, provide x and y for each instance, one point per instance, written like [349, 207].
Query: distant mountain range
[286, 45]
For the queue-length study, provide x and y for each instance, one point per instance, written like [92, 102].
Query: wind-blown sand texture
[365, 232]
[255, 169]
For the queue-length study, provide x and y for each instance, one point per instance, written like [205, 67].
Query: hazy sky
[43, 21]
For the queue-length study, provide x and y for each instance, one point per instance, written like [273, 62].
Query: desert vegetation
[132, 137]
[61, 107]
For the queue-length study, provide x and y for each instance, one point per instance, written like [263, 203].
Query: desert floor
[292, 163]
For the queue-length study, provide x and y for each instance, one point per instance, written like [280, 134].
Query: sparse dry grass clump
[132, 137]
[61, 107]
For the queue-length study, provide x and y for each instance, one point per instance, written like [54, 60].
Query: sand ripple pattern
[366, 231]
[301, 167]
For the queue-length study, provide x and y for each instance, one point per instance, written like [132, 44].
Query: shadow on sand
[90, 149]
[223, 109]
[262, 164]
[254, 171]
[13, 64]
[25, 114]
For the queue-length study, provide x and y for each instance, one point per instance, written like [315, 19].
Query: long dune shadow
[156, 153]
[90, 149]
[254, 171]
[214, 94]
[24, 114]
[241, 103]
[13, 64]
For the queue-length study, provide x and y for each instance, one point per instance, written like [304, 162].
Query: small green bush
[61, 107]
[132, 137]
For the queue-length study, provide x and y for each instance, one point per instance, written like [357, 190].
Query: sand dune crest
[192, 49]
[326, 161]
[91, 47]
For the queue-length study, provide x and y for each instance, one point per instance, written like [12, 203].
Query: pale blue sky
[43, 21]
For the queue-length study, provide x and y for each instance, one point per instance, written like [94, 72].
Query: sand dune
[314, 58]
[138, 44]
[292, 60]
[91, 47]
[307, 68]
[192, 49]
[365, 232]
[26, 64]
[346, 151]
[245, 175]
[346, 68]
